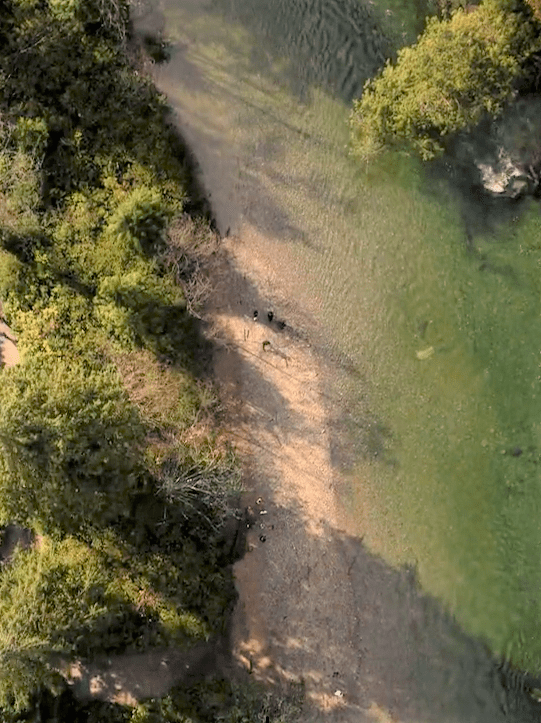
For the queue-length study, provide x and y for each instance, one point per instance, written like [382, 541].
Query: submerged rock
[510, 162]
[502, 177]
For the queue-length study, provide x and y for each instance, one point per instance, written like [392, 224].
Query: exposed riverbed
[424, 330]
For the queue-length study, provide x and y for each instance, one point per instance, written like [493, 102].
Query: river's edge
[314, 603]
[296, 607]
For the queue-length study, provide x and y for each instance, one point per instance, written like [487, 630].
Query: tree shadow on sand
[317, 605]
[412, 660]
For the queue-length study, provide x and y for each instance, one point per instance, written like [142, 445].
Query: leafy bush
[77, 92]
[169, 399]
[19, 194]
[200, 481]
[31, 136]
[64, 599]
[458, 70]
[141, 220]
[183, 562]
[69, 442]
[65, 325]
[141, 309]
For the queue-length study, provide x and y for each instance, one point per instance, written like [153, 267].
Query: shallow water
[426, 301]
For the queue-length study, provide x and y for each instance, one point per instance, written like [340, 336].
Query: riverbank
[295, 615]
[337, 244]
[315, 605]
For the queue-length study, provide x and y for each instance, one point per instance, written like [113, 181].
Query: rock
[502, 177]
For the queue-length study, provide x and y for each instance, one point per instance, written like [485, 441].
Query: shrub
[458, 70]
[65, 325]
[25, 286]
[19, 193]
[140, 220]
[31, 136]
[70, 445]
[200, 481]
[141, 309]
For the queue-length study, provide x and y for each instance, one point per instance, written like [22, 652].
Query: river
[424, 302]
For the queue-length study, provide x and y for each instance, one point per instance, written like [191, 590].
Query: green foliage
[140, 219]
[182, 559]
[200, 480]
[91, 174]
[19, 193]
[49, 315]
[141, 309]
[65, 326]
[65, 599]
[25, 286]
[458, 70]
[70, 443]
[10, 273]
[69, 104]
[31, 135]
[169, 399]
[65, 9]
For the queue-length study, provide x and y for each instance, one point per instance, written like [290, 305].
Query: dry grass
[167, 397]
[192, 255]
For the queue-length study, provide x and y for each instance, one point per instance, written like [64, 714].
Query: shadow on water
[416, 661]
[398, 650]
[515, 134]
[481, 212]
[336, 45]
[413, 661]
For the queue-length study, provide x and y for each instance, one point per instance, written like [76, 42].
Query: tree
[458, 70]
[69, 445]
[62, 600]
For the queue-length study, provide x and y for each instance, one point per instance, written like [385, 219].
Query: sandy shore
[314, 603]
[296, 614]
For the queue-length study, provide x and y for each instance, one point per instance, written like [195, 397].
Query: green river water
[439, 337]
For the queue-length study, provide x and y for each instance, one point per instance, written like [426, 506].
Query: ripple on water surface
[441, 356]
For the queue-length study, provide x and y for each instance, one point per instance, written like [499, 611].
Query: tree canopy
[64, 598]
[69, 445]
[458, 70]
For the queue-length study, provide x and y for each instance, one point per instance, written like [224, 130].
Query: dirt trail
[131, 677]
[9, 354]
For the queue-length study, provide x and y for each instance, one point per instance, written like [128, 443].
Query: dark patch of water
[516, 133]
[458, 178]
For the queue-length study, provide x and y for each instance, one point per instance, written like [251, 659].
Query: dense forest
[113, 467]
